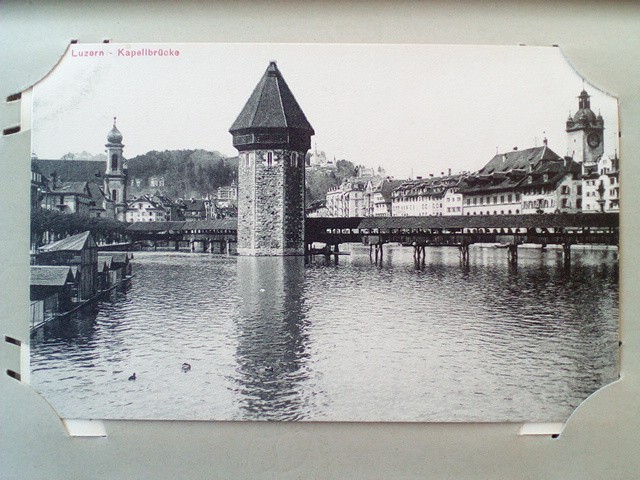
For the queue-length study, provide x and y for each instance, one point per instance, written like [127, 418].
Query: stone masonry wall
[270, 203]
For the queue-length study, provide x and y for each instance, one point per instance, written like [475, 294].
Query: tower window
[114, 195]
[114, 161]
[294, 159]
[269, 159]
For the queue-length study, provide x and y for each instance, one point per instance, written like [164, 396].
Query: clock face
[593, 140]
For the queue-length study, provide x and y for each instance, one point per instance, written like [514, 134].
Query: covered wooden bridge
[506, 231]
[204, 235]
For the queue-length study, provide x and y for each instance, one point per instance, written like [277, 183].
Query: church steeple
[115, 177]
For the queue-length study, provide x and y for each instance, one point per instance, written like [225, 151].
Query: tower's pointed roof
[272, 105]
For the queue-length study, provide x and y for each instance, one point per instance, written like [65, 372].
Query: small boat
[501, 245]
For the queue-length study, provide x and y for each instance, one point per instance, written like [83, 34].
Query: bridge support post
[464, 254]
[379, 252]
[192, 245]
[512, 254]
[566, 254]
[419, 254]
[177, 246]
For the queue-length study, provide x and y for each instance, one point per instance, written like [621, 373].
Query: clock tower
[585, 133]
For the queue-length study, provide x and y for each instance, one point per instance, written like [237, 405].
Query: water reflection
[272, 338]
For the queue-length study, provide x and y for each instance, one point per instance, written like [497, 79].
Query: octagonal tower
[272, 136]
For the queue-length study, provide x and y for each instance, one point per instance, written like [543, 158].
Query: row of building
[98, 190]
[71, 272]
[531, 181]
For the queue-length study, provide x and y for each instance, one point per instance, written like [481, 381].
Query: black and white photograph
[322, 232]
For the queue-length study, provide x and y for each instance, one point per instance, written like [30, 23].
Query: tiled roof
[50, 276]
[71, 187]
[72, 170]
[218, 224]
[493, 221]
[74, 243]
[272, 105]
[518, 159]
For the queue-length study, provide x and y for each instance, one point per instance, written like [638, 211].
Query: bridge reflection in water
[272, 338]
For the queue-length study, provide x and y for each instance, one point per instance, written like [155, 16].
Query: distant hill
[186, 173]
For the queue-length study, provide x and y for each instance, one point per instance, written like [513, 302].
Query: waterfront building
[272, 136]
[433, 196]
[51, 292]
[104, 276]
[534, 180]
[119, 265]
[145, 209]
[349, 199]
[80, 251]
[379, 196]
[552, 187]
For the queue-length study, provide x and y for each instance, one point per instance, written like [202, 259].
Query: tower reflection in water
[272, 342]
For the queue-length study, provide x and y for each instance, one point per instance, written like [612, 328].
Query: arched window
[114, 161]
[294, 159]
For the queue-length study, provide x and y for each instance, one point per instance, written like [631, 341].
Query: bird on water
[186, 367]
[133, 377]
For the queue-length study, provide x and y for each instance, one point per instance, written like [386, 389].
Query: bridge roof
[493, 221]
[152, 227]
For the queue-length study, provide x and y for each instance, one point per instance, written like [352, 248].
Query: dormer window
[529, 179]
[545, 177]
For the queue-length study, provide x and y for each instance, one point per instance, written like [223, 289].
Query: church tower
[585, 133]
[115, 175]
[272, 136]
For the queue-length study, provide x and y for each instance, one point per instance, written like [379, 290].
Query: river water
[274, 339]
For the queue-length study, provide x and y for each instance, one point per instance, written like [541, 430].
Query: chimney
[515, 149]
[545, 141]
[449, 172]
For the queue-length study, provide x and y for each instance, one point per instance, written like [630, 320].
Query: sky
[412, 109]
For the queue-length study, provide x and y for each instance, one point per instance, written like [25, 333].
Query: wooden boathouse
[79, 251]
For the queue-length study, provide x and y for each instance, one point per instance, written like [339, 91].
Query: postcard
[317, 232]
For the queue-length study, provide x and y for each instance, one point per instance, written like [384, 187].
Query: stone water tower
[272, 136]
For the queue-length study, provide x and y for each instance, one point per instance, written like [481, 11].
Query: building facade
[272, 136]
[145, 209]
